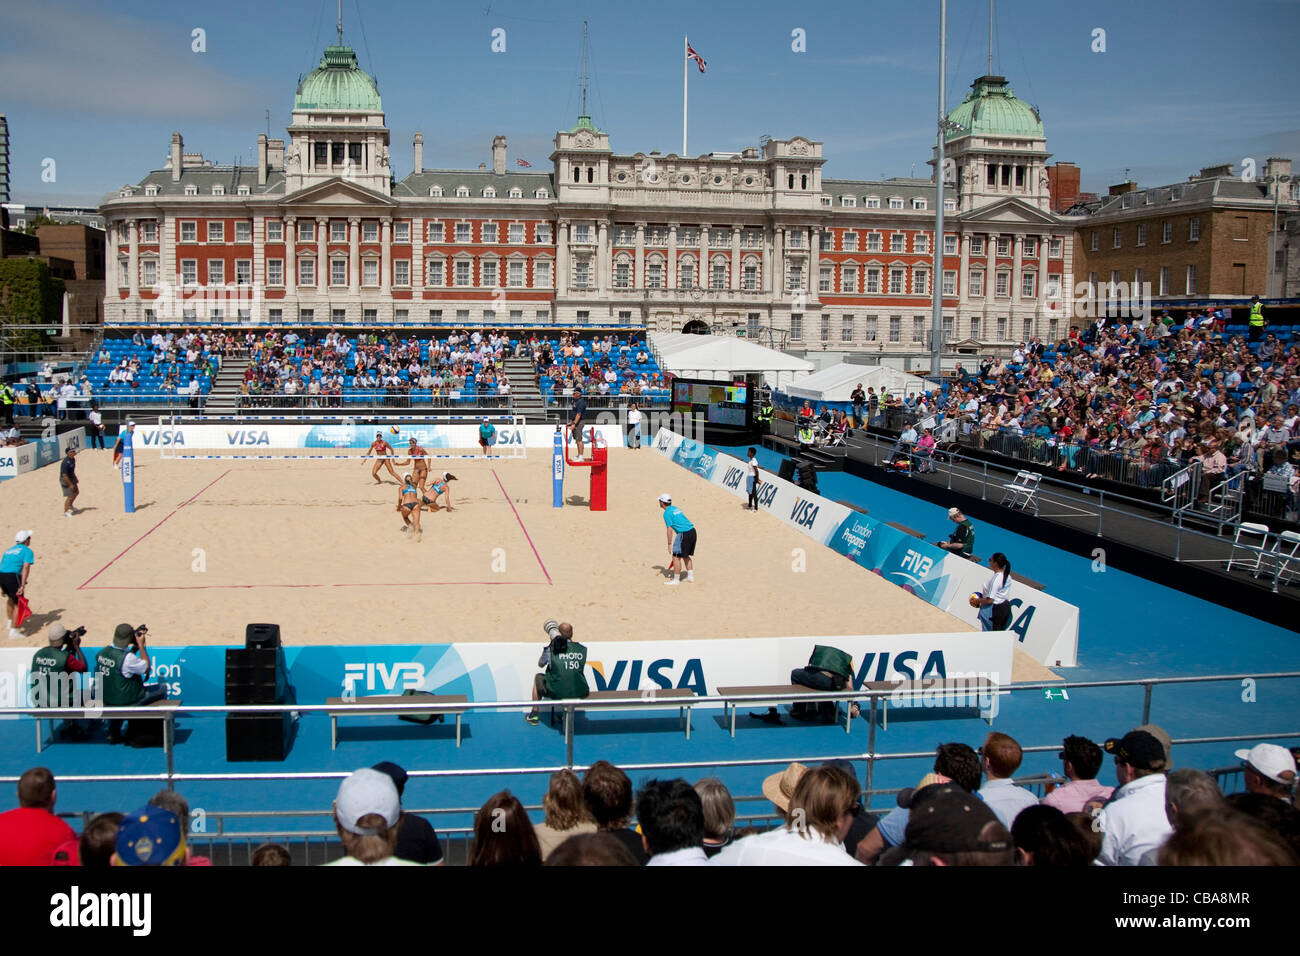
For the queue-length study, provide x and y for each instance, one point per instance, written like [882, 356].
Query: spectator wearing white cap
[15, 568]
[366, 814]
[1270, 770]
[962, 539]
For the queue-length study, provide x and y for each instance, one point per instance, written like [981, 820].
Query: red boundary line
[190, 500]
[522, 528]
[349, 584]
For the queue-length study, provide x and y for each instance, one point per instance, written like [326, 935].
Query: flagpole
[686, 43]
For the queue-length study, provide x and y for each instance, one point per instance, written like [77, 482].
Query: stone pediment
[338, 192]
[1010, 212]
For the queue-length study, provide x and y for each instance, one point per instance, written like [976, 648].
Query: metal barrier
[376, 398]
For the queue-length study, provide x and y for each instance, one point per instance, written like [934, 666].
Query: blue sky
[99, 86]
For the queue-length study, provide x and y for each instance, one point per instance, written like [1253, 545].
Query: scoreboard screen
[717, 403]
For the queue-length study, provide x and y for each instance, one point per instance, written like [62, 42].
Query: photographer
[122, 669]
[52, 683]
[564, 660]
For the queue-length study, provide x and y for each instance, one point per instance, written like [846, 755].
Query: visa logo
[766, 494]
[243, 437]
[660, 672]
[407, 675]
[804, 512]
[509, 436]
[732, 478]
[163, 436]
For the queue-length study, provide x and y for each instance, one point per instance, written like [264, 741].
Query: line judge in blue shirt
[681, 541]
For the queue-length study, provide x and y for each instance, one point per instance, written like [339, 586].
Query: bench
[164, 710]
[947, 689]
[358, 707]
[778, 691]
[906, 530]
[633, 697]
[778, 442]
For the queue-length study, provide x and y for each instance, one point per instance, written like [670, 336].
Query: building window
[463, 270]
[516, 315]
[489, 192]
[434, 270]
[338, 272]
[542, 233]
[516, 232]
[1002, 328]
[749, 278]
[686, 275]
[1053, 288]
[1004, 246]
[920, 281]
[826, 328]
[401, 232]
[796, 238]
[975, 327]
[307, 315]
[796, 326]
[918, 328]
[370, 316]
[489, 316]
[873, 202]
[1164, 280]
[1142, 234]
[584, 317]
[1002, 288]
[581, 273]
[718, 278]
[462, 192]
[276, 316]
[275, 272]
[921, 244]
[1093, 241]
[338, 230]
[949, 205]
[216, 232]
[1028, 285]
[622, 275]
[1166, 231]
[721, 238]
[846, 328]
[243, 272]
[850, 241]
[1191, 280]
[896, 202]
[872, 280]
[1031, 247]
[189, 232]
[274, 230]
[895, 328]
[149, 273]
[489, 232]
[581, 232]
[869, 330]
[950, 245]
[189, 272]
[306, 230]
[542, 274]
[848, 279]
[149, 231]
[543, 315]
[1139, 278]
[977, 245]
[976, 282]
[216, 271]
[920, 204]
[243, 232]
[516, 273]
[435, 315]
[897, 281]
[948, 324]
[1116, 238]
[401, 272]
[489, 277]
[796, 278]
[464, 231]
[824, 278]
[654, 278]
[949, 281]
[338, 316]
[370, 231]
[1194, 228]
[898, 242]
[436, 232]
[1057, 248]
[1028, 330]
[462, 316]
[873, 242]
[848, 202]
[826, 241]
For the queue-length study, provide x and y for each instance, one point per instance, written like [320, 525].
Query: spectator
[863, 822]
[1134, 821]
[953, 763]
[1082, 759]
[1083, 825]
[151, 836]
[1044, 837]
[1000, 759]
[608, 794]
[719, 814]
[503, 834]
[97, 843]
[859, 398]
[962, 539]
[122, 669]
[671, 818]
[30, 834]
[566, 812]
[1282, 819]
[271, 854]
[1229, 840]
[925, 451]
[1270, 770]
[949, 826]
[417, 841]
[819, 817]
[366, 812]
[592, 849]
[177, 804]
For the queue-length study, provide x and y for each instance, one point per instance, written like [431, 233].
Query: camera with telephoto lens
[72, 638]
[558, 641]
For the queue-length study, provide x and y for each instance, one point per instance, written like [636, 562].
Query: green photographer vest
[116, 690]
[565, 678]
[832, 659]
[51, 685]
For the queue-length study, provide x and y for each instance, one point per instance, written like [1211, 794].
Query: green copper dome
[338, 84]
[991, 109]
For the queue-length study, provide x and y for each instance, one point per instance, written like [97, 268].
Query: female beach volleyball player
[441, 486]
[419, 462]
[409, 505]
[384, 456]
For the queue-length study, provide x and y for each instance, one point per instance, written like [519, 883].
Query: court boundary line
[527, 536]
[346, 584]
[85, 584]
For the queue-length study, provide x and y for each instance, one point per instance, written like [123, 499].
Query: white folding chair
[1285, 554]
[1251, 561]
[1022, 492]
[1011, 490]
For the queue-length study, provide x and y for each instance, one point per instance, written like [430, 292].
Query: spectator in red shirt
[30, 834]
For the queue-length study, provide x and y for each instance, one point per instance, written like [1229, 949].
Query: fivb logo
[915, 566]
[804, 512]
[404, 675]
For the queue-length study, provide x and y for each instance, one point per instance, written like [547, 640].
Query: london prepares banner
[489, 672]
[248, 438]
[1046, 628]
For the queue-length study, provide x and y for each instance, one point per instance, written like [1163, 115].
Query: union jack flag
[523, 162]
[692, 55]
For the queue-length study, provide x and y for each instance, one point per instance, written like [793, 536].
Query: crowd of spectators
[610, 365]
[966, 812]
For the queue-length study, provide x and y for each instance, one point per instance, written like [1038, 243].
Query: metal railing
[375, 397]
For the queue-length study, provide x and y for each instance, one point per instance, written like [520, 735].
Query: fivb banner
[39, 453]
[1047, 628]
[250, 436]
[488, 672]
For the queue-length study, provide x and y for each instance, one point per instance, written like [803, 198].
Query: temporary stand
[599, 465]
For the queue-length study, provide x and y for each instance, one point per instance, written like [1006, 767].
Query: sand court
[316, 546]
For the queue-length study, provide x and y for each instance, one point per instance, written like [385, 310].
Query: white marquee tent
[836, 383]
[721, 358]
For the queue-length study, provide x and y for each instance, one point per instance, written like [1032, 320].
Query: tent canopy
[836, 383]
[722, 358]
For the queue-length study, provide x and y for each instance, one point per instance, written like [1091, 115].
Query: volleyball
[975, 599]
[394, 429]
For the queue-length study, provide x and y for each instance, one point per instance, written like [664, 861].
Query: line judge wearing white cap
[681, 541]
[1270, 770]
[366, 813]
[15, 567]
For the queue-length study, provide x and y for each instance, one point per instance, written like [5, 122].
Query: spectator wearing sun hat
[1270, 770]
[366, 814]
[1134, 821]
[818, 806]
[152, 836]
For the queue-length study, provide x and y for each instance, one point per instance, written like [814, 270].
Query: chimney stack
[419, 153]
[1278, 166]
[499, 155]
[261, 159]
[177, 146]
[1120, 189]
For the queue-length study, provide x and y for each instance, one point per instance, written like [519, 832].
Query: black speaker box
[786, 472]
[258, 736]
[256, 676]
[262, 635]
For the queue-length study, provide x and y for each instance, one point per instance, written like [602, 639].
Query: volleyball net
[182, 437]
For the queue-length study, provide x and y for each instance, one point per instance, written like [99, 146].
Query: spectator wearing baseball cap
[1270, 770]
[366, 812]
[953, 763]
[1082, 761]
[949, 826]
[152, 836]
[417, 841]
[1134, 821]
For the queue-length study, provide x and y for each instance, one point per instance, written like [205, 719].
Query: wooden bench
[358, 707]
[906, 530]
[164, 710]
[777, 440]
[633, 697]
[944, 687]
[778, 691]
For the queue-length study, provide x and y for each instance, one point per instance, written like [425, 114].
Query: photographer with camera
[52, 683]
[564, 660]
[121, 669]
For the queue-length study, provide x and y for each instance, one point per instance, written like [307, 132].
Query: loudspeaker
[256, 676]
[258, 736]
[786, 473]
[262, 635]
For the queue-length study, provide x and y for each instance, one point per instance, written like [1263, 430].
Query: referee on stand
[681, 541]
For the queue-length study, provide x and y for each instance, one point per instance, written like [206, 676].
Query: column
[735, 257]
[417, 260]
[603, 259]
[386, 262]
[290, 259]
[704, 270]
[354, 255]
[133, 261]
[1018, 251]
[963, 278]
[814, 263]
[766, 284]
[990, 288]
[322, 257]
[778, 264]
[638, 277]
[167, 260]
[670, 279]
[1044, 268]
[561, 262]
